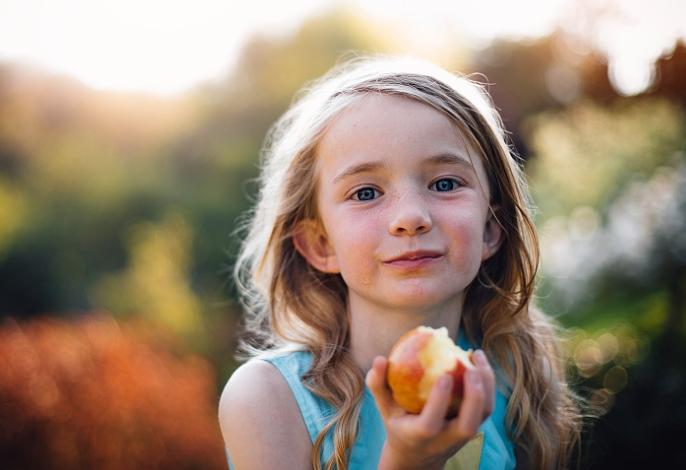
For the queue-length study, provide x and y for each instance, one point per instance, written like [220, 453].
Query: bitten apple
[418, 359]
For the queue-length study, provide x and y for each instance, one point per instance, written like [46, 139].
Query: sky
[169, 46]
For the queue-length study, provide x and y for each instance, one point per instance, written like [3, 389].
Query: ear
[493, 235]
[312, 243]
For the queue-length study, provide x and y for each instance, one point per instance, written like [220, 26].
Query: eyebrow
[442, 159]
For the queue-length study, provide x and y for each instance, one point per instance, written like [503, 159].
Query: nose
[410, 216]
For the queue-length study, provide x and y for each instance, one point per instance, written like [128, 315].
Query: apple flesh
[418, 359]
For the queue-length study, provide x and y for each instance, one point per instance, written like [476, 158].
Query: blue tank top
[491, 449]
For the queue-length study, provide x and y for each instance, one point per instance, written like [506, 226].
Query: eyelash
[356, 194]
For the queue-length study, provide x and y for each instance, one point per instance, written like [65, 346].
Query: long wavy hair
[290, 305]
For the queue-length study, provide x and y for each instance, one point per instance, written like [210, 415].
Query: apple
[418, 359]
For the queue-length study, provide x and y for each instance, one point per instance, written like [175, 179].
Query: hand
[428, 440]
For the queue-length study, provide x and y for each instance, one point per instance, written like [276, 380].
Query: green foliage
[155, 284]
[645, 311]
[586, 154]
[12, 214]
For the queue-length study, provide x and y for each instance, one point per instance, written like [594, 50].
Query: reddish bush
[94, 394]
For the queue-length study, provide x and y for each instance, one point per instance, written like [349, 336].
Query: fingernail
[445, 382]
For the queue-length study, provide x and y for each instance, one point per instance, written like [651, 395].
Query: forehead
[392, 129]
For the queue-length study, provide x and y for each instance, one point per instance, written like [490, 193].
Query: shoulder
[255, 409]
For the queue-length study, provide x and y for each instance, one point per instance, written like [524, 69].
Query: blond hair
[290, 304]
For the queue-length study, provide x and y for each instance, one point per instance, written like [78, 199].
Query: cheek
[466, 237]
[355, 246]
[352, 234]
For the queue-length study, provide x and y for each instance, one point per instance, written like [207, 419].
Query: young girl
[389, 199]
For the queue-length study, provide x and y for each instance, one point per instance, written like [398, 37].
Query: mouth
[415, 255]
[414, 259]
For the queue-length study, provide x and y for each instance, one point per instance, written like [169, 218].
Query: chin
[426, 297]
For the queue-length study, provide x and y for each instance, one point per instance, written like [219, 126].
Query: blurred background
[129, 139]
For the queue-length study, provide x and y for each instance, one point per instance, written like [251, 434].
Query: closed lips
[415, 255]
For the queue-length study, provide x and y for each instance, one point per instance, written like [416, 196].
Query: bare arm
[260, 420]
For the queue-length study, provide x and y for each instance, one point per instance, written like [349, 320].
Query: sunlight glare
[168, 47]
[154, 45]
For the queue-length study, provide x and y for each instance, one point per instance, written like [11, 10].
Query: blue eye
[365, 194]
[445, 184]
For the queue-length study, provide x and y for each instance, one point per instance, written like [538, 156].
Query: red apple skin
[405, 372]
[458, 387]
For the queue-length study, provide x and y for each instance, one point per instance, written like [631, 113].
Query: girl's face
[404, 203]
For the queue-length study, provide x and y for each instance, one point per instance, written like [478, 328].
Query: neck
[374, 328]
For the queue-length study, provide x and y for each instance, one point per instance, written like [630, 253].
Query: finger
[488, 381]
[376, 381]
[432, 417]
[471, 409]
